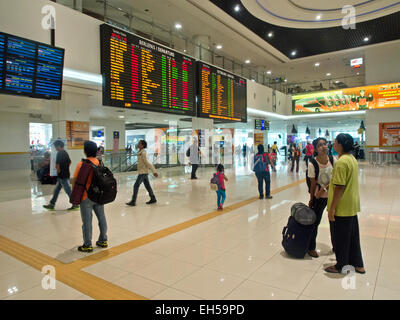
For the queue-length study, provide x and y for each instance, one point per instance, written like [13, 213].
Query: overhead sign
[348, 99]
[356, 63]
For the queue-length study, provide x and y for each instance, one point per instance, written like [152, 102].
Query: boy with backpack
[219, 179]
[261, 163]
[93, 186]
[318, 176]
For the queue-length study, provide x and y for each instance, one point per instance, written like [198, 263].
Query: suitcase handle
[284, 230]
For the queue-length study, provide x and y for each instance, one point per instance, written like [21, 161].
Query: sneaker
[268, 197]
[151, 201]
[73, 208]
[220, 207]
[85, 248]
[49, 206]
[102, 244]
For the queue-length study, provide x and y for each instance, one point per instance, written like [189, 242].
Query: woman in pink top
[221, 196]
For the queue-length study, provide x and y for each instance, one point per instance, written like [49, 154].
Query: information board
[30, 68]
[222, 95]
[141, 74]
[261, 124]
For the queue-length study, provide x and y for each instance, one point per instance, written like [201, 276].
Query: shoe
[195, 178]
[49, 206]
[151, 201]
[131, 203]
[360, 272]
[73, 208]
[220, 207]
[261, 197]
[268, 197]
[85, 248]
[102, 244]
[313, 253]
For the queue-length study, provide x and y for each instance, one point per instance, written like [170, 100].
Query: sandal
[313, 254]
[332, 269]
[359, 271]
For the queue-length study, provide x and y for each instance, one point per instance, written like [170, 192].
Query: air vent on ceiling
[35, 116]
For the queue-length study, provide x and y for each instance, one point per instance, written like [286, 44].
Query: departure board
[222, 94]
[30, 68]
[141, 74]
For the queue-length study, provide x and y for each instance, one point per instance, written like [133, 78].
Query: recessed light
[269, 72]
[318, 17]
[366, 39]
[358, 73]
[294, 52]
[121, 117]
[237, 8]
[270, 35]
[247, 61]
[328, 74]
[219, 46]
[337, 81]
[178, 26]
[317, 64]
[285, 80]
[184, 50]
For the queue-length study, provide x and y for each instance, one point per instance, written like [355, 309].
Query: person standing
[295, 157]
[63, 163]
[343, 207]
[320, 174]
[88, 206]
[194, 155]
[221, 192]
[309, 152]
[143, 166]
[261, 163]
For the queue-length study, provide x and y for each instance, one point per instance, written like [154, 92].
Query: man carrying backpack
[318, 176]
[87, 205]
[261, 163]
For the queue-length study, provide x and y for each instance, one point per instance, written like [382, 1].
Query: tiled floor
[237, 255]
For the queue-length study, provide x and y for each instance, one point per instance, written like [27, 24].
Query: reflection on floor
[236, 255]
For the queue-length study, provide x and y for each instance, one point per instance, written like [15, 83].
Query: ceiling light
[121, 117]
[237, 8]
[219, 46]
[285, 80]
[316, 64]
[178, 26]
[328, 74]
[184, 50]
[366, 39]
[269, 72]
[247, 61]
[270, 35]
[318, 17]
[336, 81]
[294, 53]
[358, 73]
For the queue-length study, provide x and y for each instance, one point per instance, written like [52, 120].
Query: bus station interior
[182, 248]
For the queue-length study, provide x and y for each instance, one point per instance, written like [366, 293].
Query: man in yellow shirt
[343, 206]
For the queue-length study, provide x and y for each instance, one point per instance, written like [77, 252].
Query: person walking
[143, 166]
[320, 174]
[87, 206]
[274, 154]
[295, 156]
[343, 207]
[309, 152]
[221, 192]
[63, 163]
[261, 163]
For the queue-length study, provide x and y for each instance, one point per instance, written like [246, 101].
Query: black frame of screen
[106, 76]
[200, 114]
[26, 94]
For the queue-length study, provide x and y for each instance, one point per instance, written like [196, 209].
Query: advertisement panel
[348, 99]
[77, 133]
[389, 134]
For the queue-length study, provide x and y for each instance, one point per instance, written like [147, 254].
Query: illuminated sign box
[356, 63]
[348, 99]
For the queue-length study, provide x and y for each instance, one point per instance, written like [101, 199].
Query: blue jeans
[61, 183]
[145, 179]
[221, 196]
[261, 177]
[87, 206]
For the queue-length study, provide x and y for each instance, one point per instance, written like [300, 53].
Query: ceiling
[294, 27]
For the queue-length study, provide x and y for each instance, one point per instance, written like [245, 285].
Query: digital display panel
[223, 95]
[30, 68]
[261, 124]
[379, 96]
[141, 74]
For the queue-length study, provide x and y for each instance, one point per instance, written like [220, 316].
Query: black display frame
[106, 70]
[36, 61]
[200, 114]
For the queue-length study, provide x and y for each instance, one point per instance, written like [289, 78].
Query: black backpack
[103, 188]
[316, 168]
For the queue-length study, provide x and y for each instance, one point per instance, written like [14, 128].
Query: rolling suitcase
[297, 234]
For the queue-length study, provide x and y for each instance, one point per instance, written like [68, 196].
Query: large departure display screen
[141, 74]
[30, 68]
[223, 95]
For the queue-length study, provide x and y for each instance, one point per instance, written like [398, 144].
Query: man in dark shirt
[62, 165]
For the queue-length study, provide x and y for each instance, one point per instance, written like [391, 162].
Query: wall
[259, 97]
[382, 64]
[372, 120]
